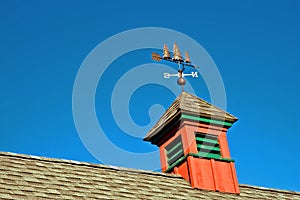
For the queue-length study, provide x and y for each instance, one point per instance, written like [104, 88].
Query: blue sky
[255, 45]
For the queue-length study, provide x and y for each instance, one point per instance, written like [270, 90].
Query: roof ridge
[87, 164]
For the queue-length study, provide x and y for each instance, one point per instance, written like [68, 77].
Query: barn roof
[24, 176]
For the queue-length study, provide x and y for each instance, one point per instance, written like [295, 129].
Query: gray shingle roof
[187, 103]
[31, 177]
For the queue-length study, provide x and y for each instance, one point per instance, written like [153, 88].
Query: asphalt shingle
[31, 177]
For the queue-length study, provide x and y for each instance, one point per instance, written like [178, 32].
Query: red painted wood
[224, 146]
[224, 175]
[202, 174]
[191, 145]
[188, 140]
[208, 174]
[235, 180]
[184, 140]
[184, 171]
[176, 170]
[192, 167]
[215, 175]
[163, 160]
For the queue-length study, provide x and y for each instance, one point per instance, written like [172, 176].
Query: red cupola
[191, 136]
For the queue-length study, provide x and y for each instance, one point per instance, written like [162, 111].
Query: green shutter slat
[209, 155]
[174, 148]
[176, 154]
[208, 147]
[207, 140]
[174, 151]
[206, 135]
[206, 120]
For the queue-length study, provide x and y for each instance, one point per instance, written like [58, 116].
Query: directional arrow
[193, 74]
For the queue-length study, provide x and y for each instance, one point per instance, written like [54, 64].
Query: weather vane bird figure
[177, 58]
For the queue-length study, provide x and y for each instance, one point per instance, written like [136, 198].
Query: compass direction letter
[195, 74]
[166, 75]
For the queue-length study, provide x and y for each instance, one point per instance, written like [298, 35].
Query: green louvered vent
[208, 145]
[174, 151]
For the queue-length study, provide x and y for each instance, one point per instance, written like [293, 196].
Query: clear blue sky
[255, 45]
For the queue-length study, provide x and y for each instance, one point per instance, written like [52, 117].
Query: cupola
[191, 136]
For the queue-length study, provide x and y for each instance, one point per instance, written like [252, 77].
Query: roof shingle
[23, 176]
[187, 103]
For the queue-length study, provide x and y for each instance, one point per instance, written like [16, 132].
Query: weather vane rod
[177, 58]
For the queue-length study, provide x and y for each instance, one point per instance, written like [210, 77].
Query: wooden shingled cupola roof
[188, 106]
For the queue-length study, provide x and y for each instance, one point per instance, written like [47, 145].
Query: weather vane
[177, 58]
